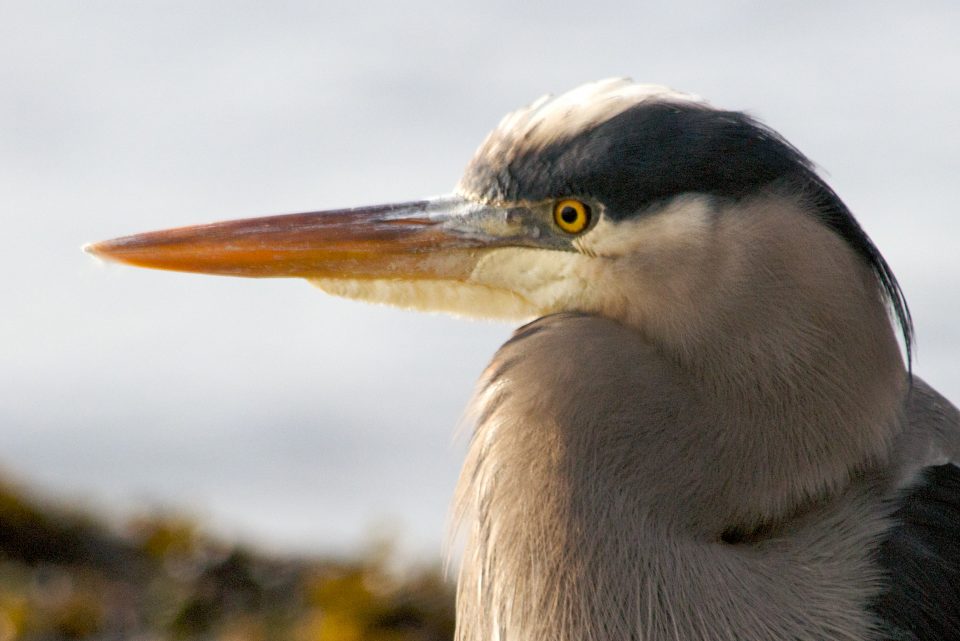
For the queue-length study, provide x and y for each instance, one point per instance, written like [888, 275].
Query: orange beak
[440, 238]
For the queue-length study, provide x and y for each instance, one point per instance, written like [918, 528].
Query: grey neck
[581, 526]
[614, 461]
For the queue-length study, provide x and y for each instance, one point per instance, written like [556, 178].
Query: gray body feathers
[688, 482]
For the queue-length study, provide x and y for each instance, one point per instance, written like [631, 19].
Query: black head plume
[633, 147]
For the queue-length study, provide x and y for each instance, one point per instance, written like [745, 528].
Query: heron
[707, 429]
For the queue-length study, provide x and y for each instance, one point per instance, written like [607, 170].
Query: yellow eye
[572, 216]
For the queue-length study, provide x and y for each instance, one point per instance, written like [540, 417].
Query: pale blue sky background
[288, 418]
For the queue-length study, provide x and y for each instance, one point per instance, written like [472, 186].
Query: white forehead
[553, 118]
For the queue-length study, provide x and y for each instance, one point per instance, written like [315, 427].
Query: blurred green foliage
[65, 575]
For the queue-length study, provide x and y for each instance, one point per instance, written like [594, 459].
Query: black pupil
[569, 215]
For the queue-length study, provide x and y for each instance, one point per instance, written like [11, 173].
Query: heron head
[627, 200]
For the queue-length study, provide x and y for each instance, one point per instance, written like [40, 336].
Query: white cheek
[452, 297]
[681, 226]
[550, 280]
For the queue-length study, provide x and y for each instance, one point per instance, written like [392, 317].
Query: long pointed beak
[439, 238]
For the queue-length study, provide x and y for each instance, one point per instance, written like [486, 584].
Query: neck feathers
[613, 458]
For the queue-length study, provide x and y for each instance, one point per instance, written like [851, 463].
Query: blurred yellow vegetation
[64, 575]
